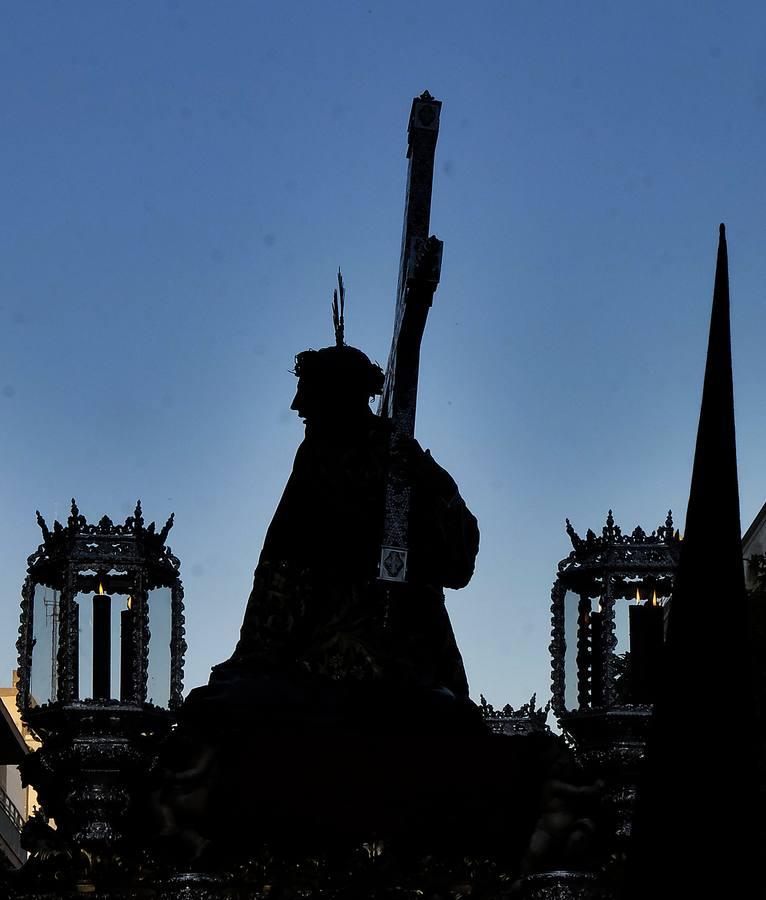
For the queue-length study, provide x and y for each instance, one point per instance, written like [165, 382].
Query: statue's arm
[459, 531]
[447, 531]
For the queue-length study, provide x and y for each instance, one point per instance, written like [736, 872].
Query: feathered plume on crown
[337, 316]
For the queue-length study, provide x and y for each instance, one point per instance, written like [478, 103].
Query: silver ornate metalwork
[561, 885]
[527, 719]
[97, 751]
[74, 558]
[200, 886]
[607, 730]
[605, 567]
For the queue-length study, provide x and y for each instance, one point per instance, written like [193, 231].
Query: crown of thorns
[340, 365]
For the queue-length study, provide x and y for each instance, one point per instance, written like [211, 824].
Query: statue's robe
[325, 540]
[320, 630]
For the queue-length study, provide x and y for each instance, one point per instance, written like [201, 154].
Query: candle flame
[100, 588]
[654, 598]
[130, 603]
[638, 596]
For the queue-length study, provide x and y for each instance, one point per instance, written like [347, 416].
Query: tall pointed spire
[714, 489]
[693, 834]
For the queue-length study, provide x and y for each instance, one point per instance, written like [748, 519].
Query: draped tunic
[317, 614]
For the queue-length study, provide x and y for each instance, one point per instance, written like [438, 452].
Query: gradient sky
[181, 180]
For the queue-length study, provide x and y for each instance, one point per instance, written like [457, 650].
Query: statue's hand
[407, 454]
[417, 465]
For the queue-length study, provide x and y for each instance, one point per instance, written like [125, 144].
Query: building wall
[754, 544]
[24, 799]
[10, 782]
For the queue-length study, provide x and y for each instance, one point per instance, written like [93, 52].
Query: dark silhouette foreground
[343, 715]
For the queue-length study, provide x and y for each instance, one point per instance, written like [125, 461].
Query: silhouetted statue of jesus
[343, 715]
[319, 626]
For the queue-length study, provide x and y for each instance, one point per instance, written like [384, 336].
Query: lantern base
[610, 745]
[93, 764]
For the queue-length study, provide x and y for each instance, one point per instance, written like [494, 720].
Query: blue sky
[181, 180]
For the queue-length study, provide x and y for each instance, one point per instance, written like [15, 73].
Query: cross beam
[419, 270]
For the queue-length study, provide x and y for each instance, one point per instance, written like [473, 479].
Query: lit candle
[102, 644]
[126, 652]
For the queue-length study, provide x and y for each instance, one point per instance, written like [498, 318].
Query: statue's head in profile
[335, 384]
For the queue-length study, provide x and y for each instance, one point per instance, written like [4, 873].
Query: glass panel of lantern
[45, 630]
[571, 617]
[160, 614]
[584, 636]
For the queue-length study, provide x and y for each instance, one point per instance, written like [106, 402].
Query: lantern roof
[626, 555]
[102, 544]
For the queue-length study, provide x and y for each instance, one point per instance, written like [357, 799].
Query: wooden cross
[419, 270]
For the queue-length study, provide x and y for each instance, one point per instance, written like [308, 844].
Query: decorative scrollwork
[79, 541]
[638, 546]
[526, 719]
[25, 642]
[178, 639]
[557, 648]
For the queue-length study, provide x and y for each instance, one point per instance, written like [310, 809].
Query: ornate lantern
[101, 647]
[609, 610]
